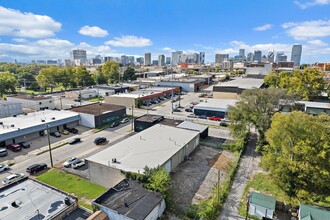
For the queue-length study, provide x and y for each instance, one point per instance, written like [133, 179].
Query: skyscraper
[201, 57]
[281, 57]
[130, 59]
[270, 56]
[177, 57]
[147, 59]
[296, 54]
[78, 54]
[249, 57]
[168, 60]
[140, 60]
[161, 60]
[221, 57]
[257, 56]
[242, 52]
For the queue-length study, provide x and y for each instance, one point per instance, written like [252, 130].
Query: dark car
[202, 117]
[188, 110]
[24, 144]
[55, 134]
[74, 141]
[100, 140]
[14, 147]
[114, 124]
[176, 110]
[224, 123]
[72, 130]
[3, 152]
[35, 168]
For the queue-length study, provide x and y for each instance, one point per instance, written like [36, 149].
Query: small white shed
[261, 205]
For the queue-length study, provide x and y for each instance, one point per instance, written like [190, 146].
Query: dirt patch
[221, 161]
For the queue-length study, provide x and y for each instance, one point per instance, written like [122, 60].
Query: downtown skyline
[48, 30]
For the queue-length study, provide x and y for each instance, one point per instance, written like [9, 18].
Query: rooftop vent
[42, 120]
[14, 116]
[12, 126]
[114, 160]
[53, 118]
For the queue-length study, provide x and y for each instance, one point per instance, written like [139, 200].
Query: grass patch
[95, 99]
[85, 205]
[53, 148]
[263, 183]
[76, 185]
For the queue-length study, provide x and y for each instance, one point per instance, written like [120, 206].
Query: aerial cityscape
[216, 110]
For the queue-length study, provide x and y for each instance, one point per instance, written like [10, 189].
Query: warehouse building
[35, 103]
[159, 145]
[33, 125]
[186, 85]
[232, 89]
[146, 121]
[81, 94]
[129, 200]
[202, 129]
[8, 109]
[214, 107]
[31, 199]
[97, 114]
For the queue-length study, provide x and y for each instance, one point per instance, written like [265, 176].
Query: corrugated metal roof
[316, 213]
[263, 200]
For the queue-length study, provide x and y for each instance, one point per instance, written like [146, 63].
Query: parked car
[78, 163]
[124, 120]
[65, 132]
[12, 178]
[55, 134]
[70, 161]
[35, 168]
[72, 130]
[191, 116]
[14, 147]
[77, 100]
[224, 122]
[194, 103]
[74, 141]
[24, 144]
[188, 110]
[176, 110]
[3, 152]
[214, 118]
[114, 124]
[4, 167]
[100, 140]
[202, 117]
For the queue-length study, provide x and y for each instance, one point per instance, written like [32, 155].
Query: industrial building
[214, 107]
[129, 200]
[81, 94]
[8, 109]
[33, 125]
[97, 114]
[36, 103]
[186, 85]
[106, 90]
[146, 121]
[232, 89]
[138, 97]
[31, 199]
[159, 145]
[202, 129]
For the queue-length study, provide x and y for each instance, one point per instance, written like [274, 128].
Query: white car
[78, 163]
[12, 178]
[191, 116]
[124, 121]
[70, 161]
[4, 167]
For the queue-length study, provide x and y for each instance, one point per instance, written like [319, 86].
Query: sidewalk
[248, 166]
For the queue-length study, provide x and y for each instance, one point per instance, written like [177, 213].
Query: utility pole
[132, 118]
[172, 90]
[61, 102]
[49, 147]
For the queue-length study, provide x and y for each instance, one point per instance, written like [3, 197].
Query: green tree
[254, 110]
[159, 180]
[129, 74]
[25, 78]
[307, 84]
[83, 77]
[49, 77]
[8, 82]
[111, 71]
[298, 154]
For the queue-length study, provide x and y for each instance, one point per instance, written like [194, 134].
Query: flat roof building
[31, 199]
[202, 129]
[232, 89]
[159, 145]
[129, 200]
[36, 103]
[214, 107]
[146, 121]
[8, 109]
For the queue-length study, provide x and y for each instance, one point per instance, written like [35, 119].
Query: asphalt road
[82, 149]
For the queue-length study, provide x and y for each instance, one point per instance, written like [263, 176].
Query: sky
[48, 29]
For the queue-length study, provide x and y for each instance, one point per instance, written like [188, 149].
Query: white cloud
[308, 29]
[17, 24]
[317, 43]
[204, 47]
[20, 40]
[304, 5]
[168, 49]
[263, 27]
[129, 41]
[93, 31]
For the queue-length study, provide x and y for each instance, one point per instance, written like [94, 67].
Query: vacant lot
[194, 180]
[83, 189]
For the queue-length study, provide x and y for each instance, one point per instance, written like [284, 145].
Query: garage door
[168, 165]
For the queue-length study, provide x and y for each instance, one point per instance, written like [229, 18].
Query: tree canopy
[8, 82]
[307, 84]
[111, 71]
[129, 74]
[298, 154]
[255, 109]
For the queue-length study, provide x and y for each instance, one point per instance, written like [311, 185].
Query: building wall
[34, 104]
[125, 101]
[113, 214]
[104, 175]
[86, 94]
[10, 109]
[209, 113]
[225, 95]
[87, 120]
[260, 212]
[157, 211]
[316, 111]
[186, 87]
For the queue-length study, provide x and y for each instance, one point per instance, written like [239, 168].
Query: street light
[49, 147]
